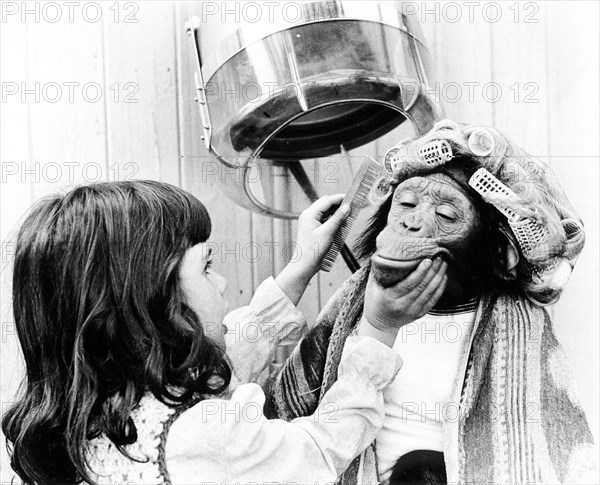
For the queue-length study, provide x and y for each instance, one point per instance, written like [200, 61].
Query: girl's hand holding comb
[315, 235]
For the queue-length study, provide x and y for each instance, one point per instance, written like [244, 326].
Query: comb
[357, 197]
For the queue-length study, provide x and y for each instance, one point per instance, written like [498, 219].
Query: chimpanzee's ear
[508, 254]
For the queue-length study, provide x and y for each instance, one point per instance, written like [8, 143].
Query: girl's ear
[507, 253]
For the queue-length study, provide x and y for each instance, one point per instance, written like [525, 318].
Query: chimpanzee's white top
[419, 400]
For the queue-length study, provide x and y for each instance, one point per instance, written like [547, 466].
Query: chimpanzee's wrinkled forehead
[438, 184]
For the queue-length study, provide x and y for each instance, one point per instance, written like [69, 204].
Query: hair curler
[528, 233]
[481, 142]
[436, 152]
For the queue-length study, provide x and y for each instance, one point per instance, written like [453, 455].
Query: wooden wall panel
[141, 73]
[67, 136]
[519, 69]
[463, 60]
[14, 133]
[573, 127]
[262, 254]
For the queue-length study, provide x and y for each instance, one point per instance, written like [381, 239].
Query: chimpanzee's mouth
[389, 271]
[400, 264]
[410, 257]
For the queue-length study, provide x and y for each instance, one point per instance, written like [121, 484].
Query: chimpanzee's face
[429, 216]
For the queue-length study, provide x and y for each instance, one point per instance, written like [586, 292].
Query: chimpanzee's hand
[315, 235]
[410, 299]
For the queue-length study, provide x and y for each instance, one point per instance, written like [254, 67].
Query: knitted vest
[146, 464]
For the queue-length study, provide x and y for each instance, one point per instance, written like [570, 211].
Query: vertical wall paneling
[261, 252]
[463, 58]
[67, 133]
[141, 79]
[14, 133]
[573, 143]
[519, 72]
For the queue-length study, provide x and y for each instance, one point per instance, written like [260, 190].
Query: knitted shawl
[518, 419]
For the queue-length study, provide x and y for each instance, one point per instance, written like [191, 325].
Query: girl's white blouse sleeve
[253, 331]
[230, 441]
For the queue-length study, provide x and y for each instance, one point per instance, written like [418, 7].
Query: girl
[119, 318]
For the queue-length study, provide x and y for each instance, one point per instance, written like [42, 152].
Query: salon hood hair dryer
[278, 94]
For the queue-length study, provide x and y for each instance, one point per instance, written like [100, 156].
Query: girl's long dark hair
[101, 320]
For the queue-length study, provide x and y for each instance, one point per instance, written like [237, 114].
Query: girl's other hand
[315, 236]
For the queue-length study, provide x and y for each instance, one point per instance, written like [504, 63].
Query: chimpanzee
[485, 394]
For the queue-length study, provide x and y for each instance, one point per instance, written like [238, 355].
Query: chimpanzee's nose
[413, 222]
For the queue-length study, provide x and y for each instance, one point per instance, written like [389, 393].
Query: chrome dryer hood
[276, 96]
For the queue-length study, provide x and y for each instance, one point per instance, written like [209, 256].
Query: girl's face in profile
[203, 289]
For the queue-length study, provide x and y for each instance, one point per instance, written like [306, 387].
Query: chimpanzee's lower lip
[388, 272]
[395, 263]
[431, 254]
